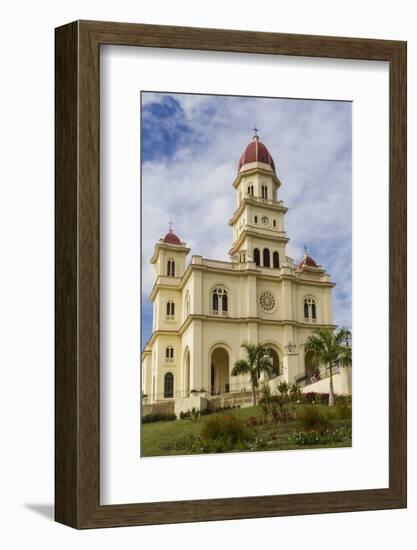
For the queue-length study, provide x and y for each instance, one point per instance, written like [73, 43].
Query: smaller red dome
[171, 238]
[307, 261]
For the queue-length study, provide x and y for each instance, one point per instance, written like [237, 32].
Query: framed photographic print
[230, 274]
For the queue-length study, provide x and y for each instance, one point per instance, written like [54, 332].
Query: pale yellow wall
[162, 297]
[161, 264]
[323, 303]
[147, 374]
[257, 180]
[342, 383]
[161, 366]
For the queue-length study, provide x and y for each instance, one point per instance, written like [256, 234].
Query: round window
[265, 220]
[267, 301]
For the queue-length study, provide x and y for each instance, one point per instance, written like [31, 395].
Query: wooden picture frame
[77, 403]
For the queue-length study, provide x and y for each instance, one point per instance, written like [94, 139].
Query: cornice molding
[258, 202]
[257, 272]
[235, 320]
[250, 233]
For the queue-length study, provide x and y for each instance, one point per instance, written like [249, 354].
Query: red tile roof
[307, 261]
[171, 238]
[256, 151]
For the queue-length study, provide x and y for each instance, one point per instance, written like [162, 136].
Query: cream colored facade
[205, 309]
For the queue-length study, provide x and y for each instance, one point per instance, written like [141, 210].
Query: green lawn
[173, 437]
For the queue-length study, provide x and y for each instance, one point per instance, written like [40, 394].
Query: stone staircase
[232, 399]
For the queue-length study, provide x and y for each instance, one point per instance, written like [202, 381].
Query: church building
[204, 309]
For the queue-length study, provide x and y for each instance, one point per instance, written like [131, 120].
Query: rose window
[267, 300]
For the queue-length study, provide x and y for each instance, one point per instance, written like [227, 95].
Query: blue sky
[190, 147]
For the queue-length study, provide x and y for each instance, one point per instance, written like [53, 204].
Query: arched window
[220, 301]
[275, 258]
[187, 304]
[274, 223]
[171, 268]
[267, 259]
[169, 385]
[224, 302]
[215, 302]
[310, 309]
[264, 190]
[170, 309]
[169, 354]
[250, 190]
[256, 219]
[257, 256]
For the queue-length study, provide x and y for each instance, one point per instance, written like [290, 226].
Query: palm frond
[329, 347]
[241, 367]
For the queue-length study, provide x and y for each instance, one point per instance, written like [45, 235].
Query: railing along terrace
[322, 373]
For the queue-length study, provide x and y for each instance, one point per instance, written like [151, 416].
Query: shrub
[312, 418]
[157, 417]
[194, 444]
[225, 427]
[192, 414]
[251, 421]
[260, 442]
[343, 412]
[322, 398]
[316, 437]
[265, 391]
[226, 408]
[265, 404]
[309, 396]
[315, 398]
[295, 392]
[212, 446]
[284, 388]
[308, 438]
[342, 399]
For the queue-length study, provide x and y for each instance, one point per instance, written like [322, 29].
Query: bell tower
[258, 222]
[169, 256]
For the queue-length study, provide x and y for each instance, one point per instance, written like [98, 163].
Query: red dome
[307, 261]
[171, 238]
[256, 151]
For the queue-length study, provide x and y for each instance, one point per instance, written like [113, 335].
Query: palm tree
[330, 347]
[255, 363]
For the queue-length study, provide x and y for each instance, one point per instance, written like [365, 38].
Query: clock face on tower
[265, 220]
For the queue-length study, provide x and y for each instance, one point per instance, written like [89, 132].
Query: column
[197, 365]
[251, 296]
[291, 360]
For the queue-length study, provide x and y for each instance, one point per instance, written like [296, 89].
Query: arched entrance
[186, 383]
[272, 352]
[276, 365]
[220, 382]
